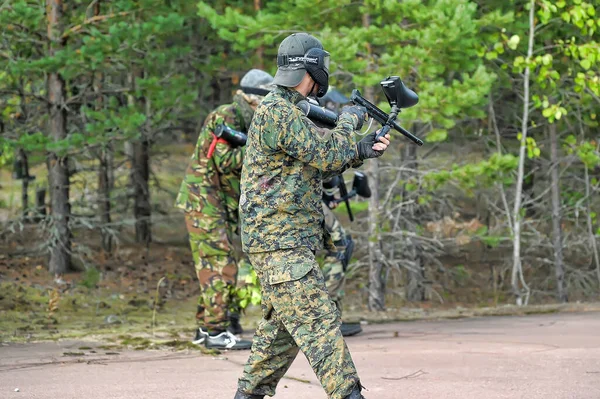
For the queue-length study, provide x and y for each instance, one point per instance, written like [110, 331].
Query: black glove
[365, 147]
[359, 111]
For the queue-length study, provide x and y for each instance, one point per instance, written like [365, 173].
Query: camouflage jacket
[211, 187]
[287, 157]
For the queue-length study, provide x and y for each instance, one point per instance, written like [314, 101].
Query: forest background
[100, 104]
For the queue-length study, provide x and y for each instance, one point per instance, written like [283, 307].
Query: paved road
[552, 357]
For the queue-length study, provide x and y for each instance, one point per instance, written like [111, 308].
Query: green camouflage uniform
[333, 268]
[281, 212]
[209, 194]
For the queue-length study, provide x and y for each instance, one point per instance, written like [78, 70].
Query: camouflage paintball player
[209, 194]
[287, 157]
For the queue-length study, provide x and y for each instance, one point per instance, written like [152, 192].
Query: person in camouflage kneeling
[209, 195]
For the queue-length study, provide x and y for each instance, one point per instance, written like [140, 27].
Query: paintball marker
[398, 96]
[225, 134]
[360, 186]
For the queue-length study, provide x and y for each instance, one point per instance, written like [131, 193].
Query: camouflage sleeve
[327, 150]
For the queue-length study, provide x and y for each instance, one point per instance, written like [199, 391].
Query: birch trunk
[517, 270]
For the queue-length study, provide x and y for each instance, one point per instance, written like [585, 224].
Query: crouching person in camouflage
[337, 259]
[281, 216]
[209, 194]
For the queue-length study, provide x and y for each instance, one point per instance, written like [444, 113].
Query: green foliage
[91, 277]
[588, 154]
[249, 293]
[6, 152]
[492, 241]
[128, 37]
[461, 273]
[437, 135]
[434, 49]
[357, 207]
[586, 151]
[496, 169]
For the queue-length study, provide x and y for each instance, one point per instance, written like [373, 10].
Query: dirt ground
[539, 356]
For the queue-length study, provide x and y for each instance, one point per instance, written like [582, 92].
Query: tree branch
[97, 18]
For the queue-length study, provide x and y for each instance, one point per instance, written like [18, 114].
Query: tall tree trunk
[415, 288]
[23, 159]
[376, 300]
[104, 190]
[24, 165]
[105, 163]
[260, 51]
[561, 291]
[517, 270]
[140, 175]
[104, 180]
[58, 168]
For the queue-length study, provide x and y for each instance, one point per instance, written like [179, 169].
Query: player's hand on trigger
[369, 148]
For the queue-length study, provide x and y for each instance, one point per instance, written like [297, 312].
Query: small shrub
[91, 277]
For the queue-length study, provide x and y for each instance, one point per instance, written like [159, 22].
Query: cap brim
[289, 78]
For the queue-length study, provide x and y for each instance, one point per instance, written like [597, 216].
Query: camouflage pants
[333, 270]
[217, 272]
[297, 315]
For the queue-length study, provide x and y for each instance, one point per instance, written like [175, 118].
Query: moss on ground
[124, 321]
[26, 314]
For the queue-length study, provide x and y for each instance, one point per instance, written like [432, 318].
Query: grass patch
[80, 312]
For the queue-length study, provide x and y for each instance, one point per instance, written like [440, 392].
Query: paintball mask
[316, 63]
[298, 54]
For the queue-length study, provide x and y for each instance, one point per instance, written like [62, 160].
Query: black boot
[241, 395]
[234, 324]
[355, 394]
[350, 329]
